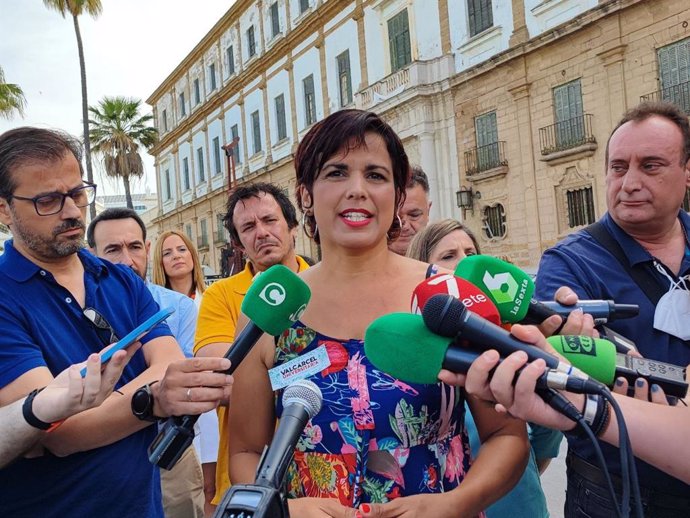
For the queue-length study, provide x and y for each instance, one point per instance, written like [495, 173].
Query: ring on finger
[189, 394]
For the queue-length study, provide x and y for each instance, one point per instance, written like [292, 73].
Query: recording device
[598, 357]
[301, 401]
[512, 290]
[401, 345]
[623, 345]
[275, 300]
[133, 336]
[447, 316]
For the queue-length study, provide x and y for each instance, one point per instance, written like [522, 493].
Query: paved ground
[553, 482]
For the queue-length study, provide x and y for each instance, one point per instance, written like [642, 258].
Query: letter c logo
[273, 294]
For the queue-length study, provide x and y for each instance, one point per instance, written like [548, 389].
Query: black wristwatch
[142, 403]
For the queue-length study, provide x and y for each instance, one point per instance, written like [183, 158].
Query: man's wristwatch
[142, 403]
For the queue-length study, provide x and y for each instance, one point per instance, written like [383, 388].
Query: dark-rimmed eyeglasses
[99, 321]
[52, 203]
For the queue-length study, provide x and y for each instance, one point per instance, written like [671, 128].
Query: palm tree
[11, 98]
[76, 8]
[117, 132]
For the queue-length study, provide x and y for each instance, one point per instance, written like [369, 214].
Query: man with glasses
[119, 235]
[95, 463]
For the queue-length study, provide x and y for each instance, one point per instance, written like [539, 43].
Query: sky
[129, 50]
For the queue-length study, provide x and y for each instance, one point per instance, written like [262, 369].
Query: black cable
[626, 449]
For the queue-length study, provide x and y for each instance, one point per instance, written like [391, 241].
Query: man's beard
[50, 248]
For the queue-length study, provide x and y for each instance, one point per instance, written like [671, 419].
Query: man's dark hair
[665, 109]
[110, 214]
[24, 145]
[418, 177]
[255, 190]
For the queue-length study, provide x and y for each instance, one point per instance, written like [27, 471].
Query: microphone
[447, 316]
[301, 401]
[401, 345]
[511, 289]
[275, 300]
[444, 283]
[264, 499]
[598, 358]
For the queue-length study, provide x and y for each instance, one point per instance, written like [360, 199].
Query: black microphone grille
[442, 315]
[305, 393]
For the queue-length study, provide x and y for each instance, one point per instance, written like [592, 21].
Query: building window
[494, 221]
[580, 204]
[164, 120]
[486, 130]
[183, 106]
[275, 20]
[197, 92]
[188, 230]
[216, 156]
[235, 133]
[309, 100]
[256, 131]
[344, 78]
[212, 76]
[168, 188]
[203, 238]
[303, 6]
[220, 233]
[674, 73]
[200, 161]
[185, 173]
[399, 41]
[568, 115]
[480, 15]
[251, 42]
[280, 117]
[230, 55]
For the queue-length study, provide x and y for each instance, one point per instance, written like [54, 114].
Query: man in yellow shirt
[262, 222]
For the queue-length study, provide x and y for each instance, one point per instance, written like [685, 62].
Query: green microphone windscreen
[400, 344]
[508, 287]
[595, 356]
[276, 299]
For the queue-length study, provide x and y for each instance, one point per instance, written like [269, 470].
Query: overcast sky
[129, 50]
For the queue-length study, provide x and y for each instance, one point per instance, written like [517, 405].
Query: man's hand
[192, 387]
[577, 323]
[69, 393]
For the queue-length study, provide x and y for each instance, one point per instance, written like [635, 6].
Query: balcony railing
[678, 94]
[567, 134]
[484, 158]
[219, 237]
[202, 242]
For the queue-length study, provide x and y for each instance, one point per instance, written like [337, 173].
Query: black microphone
[447, 316]
[602, 311]
[264, 499]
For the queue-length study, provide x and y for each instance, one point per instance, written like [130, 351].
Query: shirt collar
[21, 269]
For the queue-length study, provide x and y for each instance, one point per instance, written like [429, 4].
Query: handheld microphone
[598, 358]
[511, 289]
[401, 345]
[275, 300]
[264, 499]
[447, 316]
[444, 283]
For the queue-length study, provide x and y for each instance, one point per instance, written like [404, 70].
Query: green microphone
[401, 345]
[598, 358]
[276, 299]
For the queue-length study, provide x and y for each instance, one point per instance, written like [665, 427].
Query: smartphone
[133, 336]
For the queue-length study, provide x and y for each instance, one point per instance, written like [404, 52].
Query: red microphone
[448, 284]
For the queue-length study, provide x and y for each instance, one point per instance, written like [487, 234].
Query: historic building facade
[506, 104]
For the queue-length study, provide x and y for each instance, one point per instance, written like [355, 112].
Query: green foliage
[12, 100]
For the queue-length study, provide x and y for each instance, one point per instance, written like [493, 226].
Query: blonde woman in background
[444, 243]
[176, 266]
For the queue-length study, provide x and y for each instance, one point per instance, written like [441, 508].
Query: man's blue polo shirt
[42, 325]
[581, 263]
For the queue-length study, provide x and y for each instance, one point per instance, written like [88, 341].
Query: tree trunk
[128, 194]
[84, 111]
